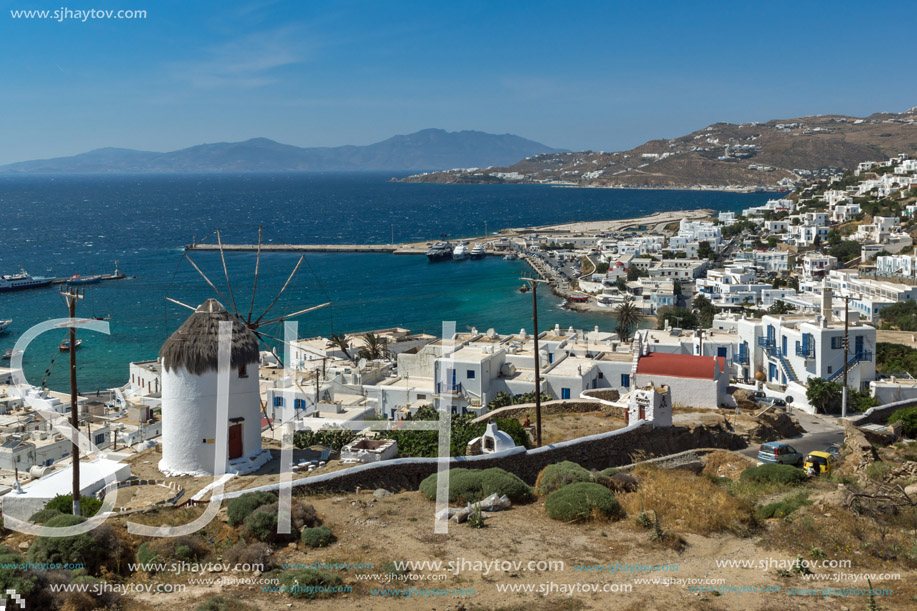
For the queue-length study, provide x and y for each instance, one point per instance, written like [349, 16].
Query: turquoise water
[60, 226]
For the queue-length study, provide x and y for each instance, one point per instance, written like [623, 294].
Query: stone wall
[621, 447]
[567, 406]
[878, 415]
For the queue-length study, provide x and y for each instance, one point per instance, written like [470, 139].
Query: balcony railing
[740, 358]
[807, 352]
[767, 342]
[449, 389]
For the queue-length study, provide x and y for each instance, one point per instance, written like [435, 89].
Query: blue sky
[598, 75]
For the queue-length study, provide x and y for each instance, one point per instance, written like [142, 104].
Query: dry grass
[688, 503]
[726, 464]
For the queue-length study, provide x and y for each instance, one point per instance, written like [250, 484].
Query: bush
[773, 473]
[783, 508]
[221, 603]
[908, 419]
[320, 536]
[878, 470]
[309, 583]
[63, 503]
[471, 485]
[82, 548]
[582, 501]
[40, 517]
[251, 554]
[556, 476]
[147, 557]
[239, 508]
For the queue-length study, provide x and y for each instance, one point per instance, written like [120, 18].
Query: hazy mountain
[428, 149]
[769, 155]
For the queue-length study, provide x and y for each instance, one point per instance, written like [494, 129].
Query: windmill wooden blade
[204, 276]
[258, 324]
[232, 298]
[251, 308]
[184, 305]
[285, 285]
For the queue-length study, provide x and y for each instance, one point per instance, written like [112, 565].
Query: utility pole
[533, 282]
[72, 295]
[846, 327]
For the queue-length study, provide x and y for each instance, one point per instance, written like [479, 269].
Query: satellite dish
[362, 363]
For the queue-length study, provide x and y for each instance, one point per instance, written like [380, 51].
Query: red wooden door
[235, 441]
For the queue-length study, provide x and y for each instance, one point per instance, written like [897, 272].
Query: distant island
[748, 156]
[424, 150]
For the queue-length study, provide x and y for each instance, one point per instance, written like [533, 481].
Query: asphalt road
[821, 431]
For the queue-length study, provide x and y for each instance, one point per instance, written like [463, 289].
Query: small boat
[78, 280]
[477, 252]
[5, 324]
[460, 253]
[65, 345]
[525, 288]
[509, 256]
[9, 354]
[440, 251]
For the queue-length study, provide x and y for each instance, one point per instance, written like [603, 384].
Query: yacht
[78, 280]
[477, 252]
[5, 324]
[22, 280]
[460, 253]
[440, 251]
[65, 345]
[510, 256]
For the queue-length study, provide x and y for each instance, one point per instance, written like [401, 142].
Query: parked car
[780, 453]
[771, 401]
[833, 450]
[758, 394]
[818, 463]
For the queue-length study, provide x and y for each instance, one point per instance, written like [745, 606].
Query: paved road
[821, 431]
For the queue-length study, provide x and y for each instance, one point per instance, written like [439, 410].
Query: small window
[421, 397]
[243, 371]
[837, 342]
[830, 369]
[469, 374]
[625, 380]
[100, 438]
[601, 376]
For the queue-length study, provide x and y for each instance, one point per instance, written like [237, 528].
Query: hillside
[426, 149]
[767, 155]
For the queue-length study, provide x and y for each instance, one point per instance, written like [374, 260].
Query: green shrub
[773, 473]
[908, 419]
[878, 470]
[609, 471]
[147, 557]
[309, 583]
[471, 485]
[476, 519]
[241, 507]
[556, 476]
[320, 536]
[222, 603]
[582, 501]
[500, 482]
[63, 503]
[40, 517]
[784, 507]
[74, 549]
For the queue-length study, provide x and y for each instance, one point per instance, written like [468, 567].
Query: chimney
[827, 304]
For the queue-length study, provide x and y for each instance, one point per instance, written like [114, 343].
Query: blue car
[780, 453]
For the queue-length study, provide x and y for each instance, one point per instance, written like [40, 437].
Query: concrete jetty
[397, 249]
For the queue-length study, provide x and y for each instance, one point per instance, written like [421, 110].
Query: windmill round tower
[189, 394]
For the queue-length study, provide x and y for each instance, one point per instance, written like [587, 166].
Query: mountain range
[771, 155]
[428, 149]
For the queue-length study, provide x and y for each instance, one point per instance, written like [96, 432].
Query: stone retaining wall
[878, 415]
[610, 449]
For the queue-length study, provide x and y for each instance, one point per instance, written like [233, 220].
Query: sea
[87, 224]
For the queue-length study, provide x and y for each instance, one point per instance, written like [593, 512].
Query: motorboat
[510, 256]
[460, 253]
[477, 252]
[440, 251]
[9, 354]
[65, 345]
[78, 280]
[5, 324]
[22, 280]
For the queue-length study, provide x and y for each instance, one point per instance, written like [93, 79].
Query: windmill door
[235, 440]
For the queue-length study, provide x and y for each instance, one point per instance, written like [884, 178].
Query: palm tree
[628, 316]
[375, 348]
[340, 340]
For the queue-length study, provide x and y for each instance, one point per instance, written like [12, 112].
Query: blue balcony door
[858, 344]
[453, 379]
[784, 346]
[771, 372]
[564, 393]
[770, 333]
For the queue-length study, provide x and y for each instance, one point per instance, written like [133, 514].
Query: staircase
[865, 355]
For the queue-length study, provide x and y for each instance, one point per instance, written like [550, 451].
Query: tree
[780, 307]
[628, 316]
[705, 311]
[676, 286]
[680, 318]
[823, 395]
[375, 348]
[634, 272]
[621, 283]
[339, 340]
[703, 250]
[901, 316]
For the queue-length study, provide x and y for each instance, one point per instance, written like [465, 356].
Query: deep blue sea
[64, 225]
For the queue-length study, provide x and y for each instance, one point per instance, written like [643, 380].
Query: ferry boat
[439, 251]
[460, 253]
[5, 324]
[477, 252]
[78, 280]
[22, 280]
[65, 345]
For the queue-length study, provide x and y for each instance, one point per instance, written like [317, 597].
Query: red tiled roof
[680, 365]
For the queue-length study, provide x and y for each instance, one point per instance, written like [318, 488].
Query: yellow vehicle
[818, 463]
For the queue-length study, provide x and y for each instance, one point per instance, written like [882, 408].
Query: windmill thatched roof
[194, 346]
